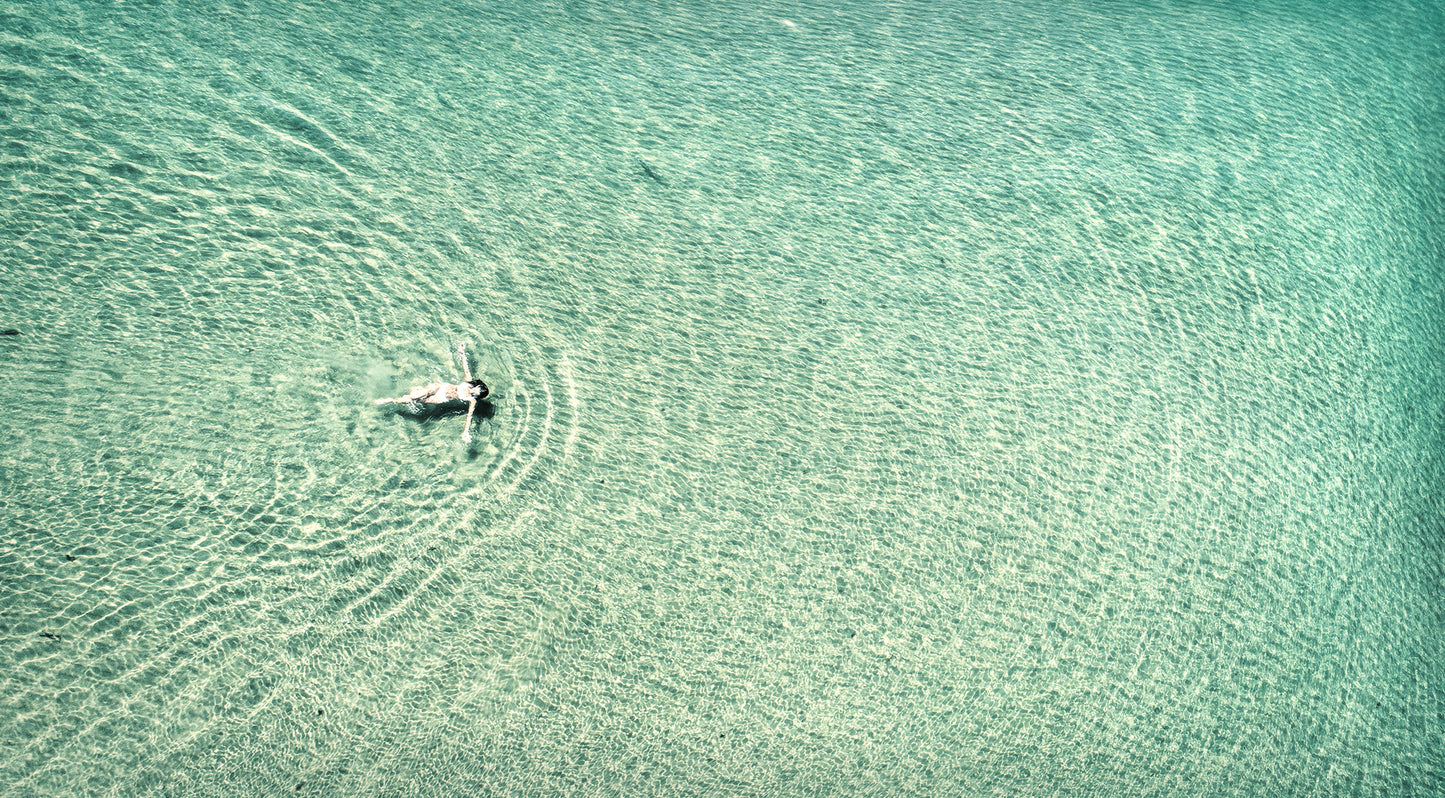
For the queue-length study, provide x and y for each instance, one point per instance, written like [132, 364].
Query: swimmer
[440, 393]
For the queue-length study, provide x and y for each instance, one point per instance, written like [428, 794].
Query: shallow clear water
[889, 399]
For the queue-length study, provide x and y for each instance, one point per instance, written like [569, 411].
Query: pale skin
[440, 393]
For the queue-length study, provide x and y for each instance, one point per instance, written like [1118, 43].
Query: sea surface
[888, 398]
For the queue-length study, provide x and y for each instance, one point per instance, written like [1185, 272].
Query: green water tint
[920, 400]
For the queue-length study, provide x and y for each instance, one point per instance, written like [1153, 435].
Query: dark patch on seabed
[651, 173]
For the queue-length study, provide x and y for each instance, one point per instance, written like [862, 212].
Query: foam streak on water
[887, 399]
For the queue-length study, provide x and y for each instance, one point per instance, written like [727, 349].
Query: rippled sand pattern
[888, 399]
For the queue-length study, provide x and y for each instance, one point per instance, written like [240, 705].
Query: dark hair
[479, 384]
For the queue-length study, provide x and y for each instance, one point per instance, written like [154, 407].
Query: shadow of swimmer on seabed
[435, 399]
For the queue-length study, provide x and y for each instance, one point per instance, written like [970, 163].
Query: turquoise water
[888, 399]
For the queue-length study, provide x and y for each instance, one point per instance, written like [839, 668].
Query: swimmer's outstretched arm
[467, 430]
[462, 355]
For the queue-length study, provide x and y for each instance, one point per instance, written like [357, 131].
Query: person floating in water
[441, 393]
